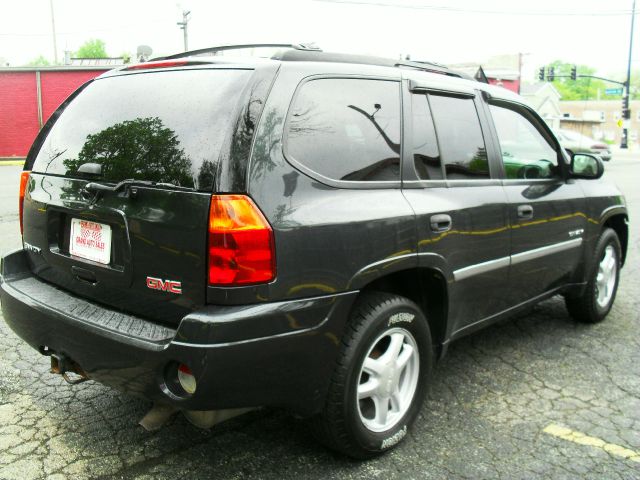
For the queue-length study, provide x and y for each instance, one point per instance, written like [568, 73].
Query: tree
[39, 61]
[93, 48]
[580, 89]
[142, 148]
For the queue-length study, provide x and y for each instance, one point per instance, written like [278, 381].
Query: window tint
[347, 129]
[460, 137]
[160, 126]
[426, 156]
[525, 152]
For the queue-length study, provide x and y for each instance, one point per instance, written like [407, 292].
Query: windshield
[160, 126]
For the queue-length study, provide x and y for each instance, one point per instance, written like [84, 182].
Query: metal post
[183, 26]
[626, 113]
[39, 98]
[53, 29]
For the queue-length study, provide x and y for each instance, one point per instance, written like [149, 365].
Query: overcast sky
[592, 32]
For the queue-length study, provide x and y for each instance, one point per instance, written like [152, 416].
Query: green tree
[580, 89]
[93, 48]
[142, 148]
[39, 61]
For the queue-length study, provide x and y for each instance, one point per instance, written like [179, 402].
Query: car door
[459, 206]
[546, 212]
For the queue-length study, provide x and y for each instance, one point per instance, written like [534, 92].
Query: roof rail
[202, 51]
[429, 67]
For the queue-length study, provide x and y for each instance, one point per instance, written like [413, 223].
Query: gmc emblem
[170, 286]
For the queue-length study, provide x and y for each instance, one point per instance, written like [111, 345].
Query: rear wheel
[381, 377]
[597, 298]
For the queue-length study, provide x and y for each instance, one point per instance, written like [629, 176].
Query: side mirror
[586, 166]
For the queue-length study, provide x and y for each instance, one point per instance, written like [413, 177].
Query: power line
[441, 8]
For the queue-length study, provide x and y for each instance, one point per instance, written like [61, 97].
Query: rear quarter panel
[327, 239]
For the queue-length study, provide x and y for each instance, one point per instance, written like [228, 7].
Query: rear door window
[462, 146]
[346, 129]
[426, 155]
[159, 126]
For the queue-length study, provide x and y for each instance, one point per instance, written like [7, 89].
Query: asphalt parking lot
[536, 397]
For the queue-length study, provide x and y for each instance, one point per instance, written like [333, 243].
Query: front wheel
[381, 378]
[596, 300]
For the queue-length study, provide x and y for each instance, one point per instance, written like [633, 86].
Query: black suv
[307, 231]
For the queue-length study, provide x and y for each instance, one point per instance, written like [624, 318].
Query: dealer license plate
[90, 240]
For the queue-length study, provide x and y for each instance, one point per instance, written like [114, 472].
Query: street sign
[613, 91]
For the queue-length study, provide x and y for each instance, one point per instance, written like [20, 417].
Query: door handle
[525, 211]
[440, 223]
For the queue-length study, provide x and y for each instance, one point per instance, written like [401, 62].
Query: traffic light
[541, 74]
[551, 75]
[574, 73]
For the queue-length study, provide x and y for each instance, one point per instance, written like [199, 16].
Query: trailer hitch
[62, 365]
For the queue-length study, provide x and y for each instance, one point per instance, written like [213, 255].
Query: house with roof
[545, 100]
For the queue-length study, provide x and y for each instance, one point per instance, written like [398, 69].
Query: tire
[597, 298]
[378, 323]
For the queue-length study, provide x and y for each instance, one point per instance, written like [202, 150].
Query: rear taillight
[24, 178]
[241, 245]
[598, 146]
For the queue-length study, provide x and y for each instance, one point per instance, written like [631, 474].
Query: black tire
[585, 307]
[339, 426]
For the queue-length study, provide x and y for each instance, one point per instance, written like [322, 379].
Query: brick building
[28, 97]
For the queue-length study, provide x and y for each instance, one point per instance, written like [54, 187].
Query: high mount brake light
[24, 179]
[161, 64]
[241, 244]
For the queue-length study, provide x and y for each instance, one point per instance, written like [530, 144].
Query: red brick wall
[18, 113]
[512, 85]
[57, 86]
[19, 104]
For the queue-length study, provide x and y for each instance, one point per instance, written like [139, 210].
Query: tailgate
[149, 144]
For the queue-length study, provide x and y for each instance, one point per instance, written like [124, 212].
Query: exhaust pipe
[208, 418]
[161, 413]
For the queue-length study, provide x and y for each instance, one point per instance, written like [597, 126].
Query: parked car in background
[578, 143]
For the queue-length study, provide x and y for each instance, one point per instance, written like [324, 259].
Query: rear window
[347, 129]
[161, 126]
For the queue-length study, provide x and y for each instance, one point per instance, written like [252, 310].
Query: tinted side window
[426, 156]
[460, 137]
[347, 129]
[525, 152]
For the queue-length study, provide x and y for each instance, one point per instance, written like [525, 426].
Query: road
[536, 397]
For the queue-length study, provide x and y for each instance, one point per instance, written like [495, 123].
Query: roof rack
[309, 52]
[320, 56]
[309, 47]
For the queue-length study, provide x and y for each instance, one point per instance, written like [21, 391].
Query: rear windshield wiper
[130, 182]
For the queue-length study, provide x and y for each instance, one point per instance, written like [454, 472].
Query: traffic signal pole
[626, 113]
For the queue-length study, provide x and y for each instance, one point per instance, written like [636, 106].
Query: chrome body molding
[546, 250]
[479, 268]
[502, 262]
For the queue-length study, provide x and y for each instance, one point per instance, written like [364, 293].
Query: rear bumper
[277, 354]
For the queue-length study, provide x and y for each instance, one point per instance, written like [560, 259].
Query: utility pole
[520, 62]
[183, 26]
[53, 28]
[626, 113]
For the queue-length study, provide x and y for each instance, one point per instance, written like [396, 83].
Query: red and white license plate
[90, 240]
